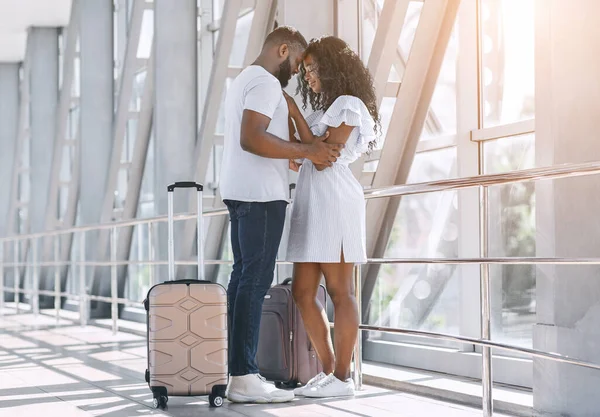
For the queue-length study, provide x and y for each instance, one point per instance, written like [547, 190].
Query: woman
[327, 234]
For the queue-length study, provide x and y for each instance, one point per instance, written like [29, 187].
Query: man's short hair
[286, 35]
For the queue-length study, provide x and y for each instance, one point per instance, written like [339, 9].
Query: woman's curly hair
[341, 72]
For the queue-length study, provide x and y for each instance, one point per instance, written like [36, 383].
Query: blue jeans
[256, 230]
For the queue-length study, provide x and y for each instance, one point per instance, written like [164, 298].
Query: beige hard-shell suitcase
[187, 329]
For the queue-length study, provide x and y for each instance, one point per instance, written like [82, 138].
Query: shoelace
[327, 381]
[315, 381]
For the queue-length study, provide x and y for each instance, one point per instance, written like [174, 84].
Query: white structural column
[96, 112]
[9, 125]
[114, 202]
[205, 50]
[97, 106]
[568, 225]
[42, 49]
[408, 117]
[175, 103]
[9, 128]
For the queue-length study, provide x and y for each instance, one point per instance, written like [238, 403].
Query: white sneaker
[253, 388]
[311, 383]
[331, 387]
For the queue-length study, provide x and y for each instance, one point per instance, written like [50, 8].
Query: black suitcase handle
[286, 281]
[190, 281]
[185, 184]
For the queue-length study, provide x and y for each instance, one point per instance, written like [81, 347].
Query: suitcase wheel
[161, 402]
[286, 385]
[215, 400]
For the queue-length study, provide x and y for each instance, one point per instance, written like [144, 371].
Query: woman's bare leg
[340, 286]
[305, 285]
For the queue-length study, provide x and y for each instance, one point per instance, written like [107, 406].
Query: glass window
[146, 34]
[385, 113]
[419, 297]
[434, 165]
[441, 117]
[226, 254]
[240, 42]
[509, 154]
[139, 276]
[508, 76]
[135, 103]
[422, 296]
[147, 190]
[372, 13]
[512, 233]
[409, 30]
[370, 17]
[75, 87]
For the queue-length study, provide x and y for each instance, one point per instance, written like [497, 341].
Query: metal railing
[482, 182]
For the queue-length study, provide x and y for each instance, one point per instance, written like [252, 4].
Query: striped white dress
[328, 213]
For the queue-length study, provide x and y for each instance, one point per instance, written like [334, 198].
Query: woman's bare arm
[337, 135]
[292, 129]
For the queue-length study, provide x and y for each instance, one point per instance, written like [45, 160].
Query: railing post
[16, 277]
[2, 278]
[82, 282]
[35, 294]
[486, 351]
[57, 278]
[358, 345]
[114, 305]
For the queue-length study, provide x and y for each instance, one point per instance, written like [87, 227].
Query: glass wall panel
[146, 35]
[441, 117]
[422, 296]
[508, 78]
[512, 233]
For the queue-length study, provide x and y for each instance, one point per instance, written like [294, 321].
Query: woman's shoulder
[314, 117]
[347, 102]
[347, 109]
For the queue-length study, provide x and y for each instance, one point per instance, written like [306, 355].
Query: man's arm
[337, 135]
[255, 139]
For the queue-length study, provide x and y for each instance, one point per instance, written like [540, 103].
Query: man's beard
[285, 73]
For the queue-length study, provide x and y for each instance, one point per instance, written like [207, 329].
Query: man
[254, 186]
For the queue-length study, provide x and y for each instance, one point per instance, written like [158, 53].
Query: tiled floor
[64, 370]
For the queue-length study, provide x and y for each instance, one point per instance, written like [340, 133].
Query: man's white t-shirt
[245, 176]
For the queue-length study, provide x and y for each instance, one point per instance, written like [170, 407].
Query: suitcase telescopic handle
[184, 184]
[199, 221]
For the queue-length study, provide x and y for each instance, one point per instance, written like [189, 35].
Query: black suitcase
[285, 354]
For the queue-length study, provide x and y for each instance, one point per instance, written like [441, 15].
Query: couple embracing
[266, 135]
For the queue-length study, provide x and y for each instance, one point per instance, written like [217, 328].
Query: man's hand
[295, 166]
[321, 153]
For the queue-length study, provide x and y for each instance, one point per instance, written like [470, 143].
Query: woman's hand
[295, 166]
[292, 106]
